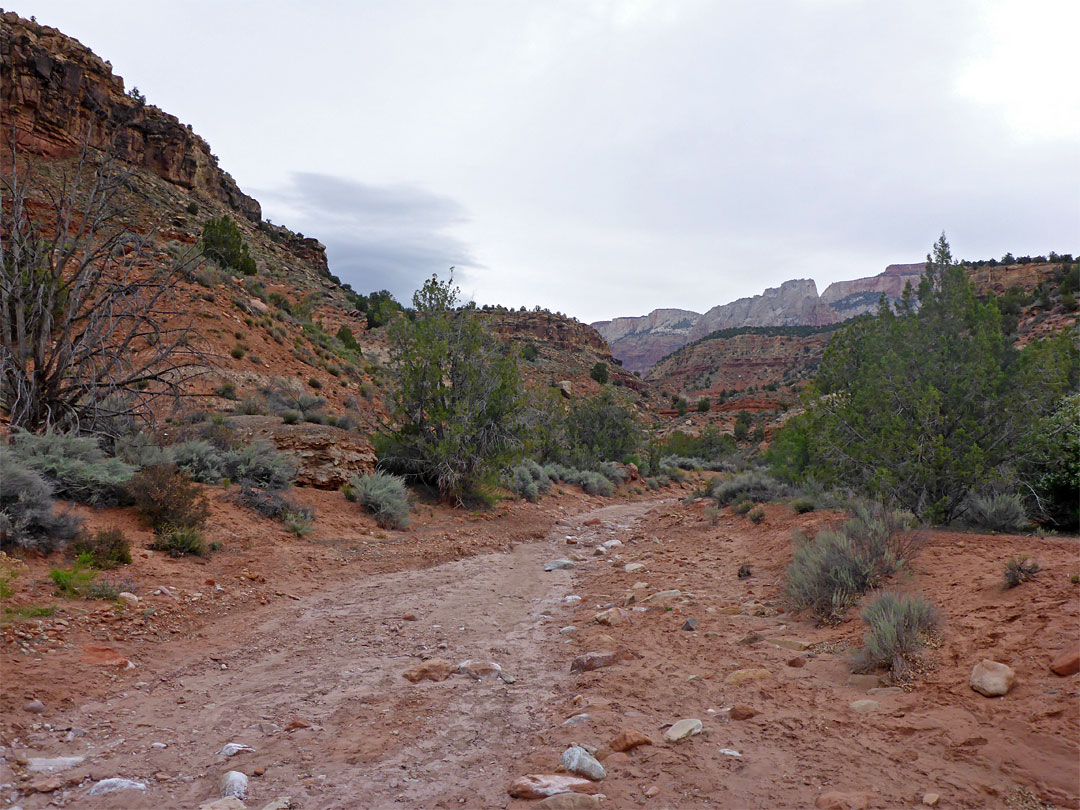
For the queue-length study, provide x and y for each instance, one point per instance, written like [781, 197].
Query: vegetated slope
[281, 323]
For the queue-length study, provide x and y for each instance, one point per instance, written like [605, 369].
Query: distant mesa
[641, 342]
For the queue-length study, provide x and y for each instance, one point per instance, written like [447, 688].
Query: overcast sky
[607, 157]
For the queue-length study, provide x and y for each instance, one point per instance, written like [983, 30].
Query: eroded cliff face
[57, 93]
[891, 283]
[793, 303]
[640, 342]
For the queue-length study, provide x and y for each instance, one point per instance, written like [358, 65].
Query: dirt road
[316, 688]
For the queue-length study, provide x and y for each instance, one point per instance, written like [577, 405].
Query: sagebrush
[898, 628]
[385, 496]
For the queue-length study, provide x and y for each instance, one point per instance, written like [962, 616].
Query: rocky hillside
[642, 341]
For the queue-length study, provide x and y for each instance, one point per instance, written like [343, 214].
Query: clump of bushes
[257, 464]
[803, 505]
[898, 628]
[268, 503]
[1020, 569]
[998, 513]
[287, 400]
[107, 549]
[28, 518]
[75, 466]
[752, 485]
[165, 498]
[743, 507]
[529, 481]
[178, 541]
[383, 495]
[592, 482]
[756, 515]
[76, 581]
[831, 571]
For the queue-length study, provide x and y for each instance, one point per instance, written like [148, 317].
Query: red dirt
[314, 634]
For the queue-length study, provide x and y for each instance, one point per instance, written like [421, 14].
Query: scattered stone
[791, 644]
[578, 761]
[557, 565]
[863, 683]
[991, 678]
[885, 691]
[159, 745]
[573, 599]
[568, 801]
[436, 669]
[228, 803]
[232, 749]
[616, 759]
[540, 786]
[629, 738]
[409, 617]
[865, 706]
[731, 752]
[234, 783]
[750, 638]
[52, 764]
[741, 676]
[744, 572]
[612, 617]
[838, 800]
[599, 551]
[630, 568]
[690, 624]
[577, 719]
[114, 784]
[638, 586]
[128, 598]
[47, 785]
[740, 711]
[592, 522]
[594, 660]
[931, 799]
[506, 677]
[105, 657]
[478, 670]
[650, 791]
[663, 595]
[284, 803]
[797, 662]
[1067, 663]
[610, 544]
[683, 729]
[567, 630]
[35, 706]
[296, 723]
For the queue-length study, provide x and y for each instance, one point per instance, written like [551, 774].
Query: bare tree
[91, 332]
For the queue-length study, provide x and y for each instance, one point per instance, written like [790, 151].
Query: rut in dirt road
[318, 691]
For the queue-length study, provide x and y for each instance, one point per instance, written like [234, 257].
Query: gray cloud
[376, 237]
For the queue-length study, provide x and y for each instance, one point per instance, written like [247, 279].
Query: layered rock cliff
[793, 303]
[641, 341]
[891, 283]
[58, 94]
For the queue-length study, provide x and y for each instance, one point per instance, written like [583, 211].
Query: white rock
[232, 749]
[579, 761]
[114, 784]
[632, 567]
[52, 764]
[235, 784]
[683, 729]
[556, 565]
[567, 630]
[128, 598]
[612, 544]
[991, 678]
[573, 599]
[730, 752]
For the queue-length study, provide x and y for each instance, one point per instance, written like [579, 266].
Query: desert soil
[298, 649]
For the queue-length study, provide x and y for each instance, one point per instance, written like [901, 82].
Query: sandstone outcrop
[57, 93]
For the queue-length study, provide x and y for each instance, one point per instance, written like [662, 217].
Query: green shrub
[28, 518]
[238, 351]
[756, 515]
[1020, 569]
[529, 481]
[831, 571]
[599, 429]
[202, 460]
[349, 491]
[76, 581]
[259, 464]
[290, 417]
[348, 340]
[385, 496]
[140, 450]
[166, 498]
[803, 505]
[899, 625]
[273, 504]
[298, 522]
[743, 507]
[704, 405]
[193, 208]
[109, 548]
[530, 352]
[75, 466]
[223, 243]
[998, 513]
[596, 484]
[754, 485]
[110, 588]
[178, 541]
[599, 372]
[612, 472]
